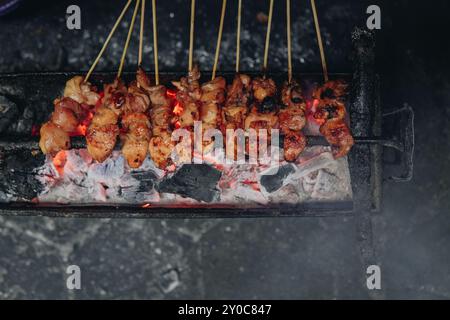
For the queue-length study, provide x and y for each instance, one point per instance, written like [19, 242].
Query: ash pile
[74, 178]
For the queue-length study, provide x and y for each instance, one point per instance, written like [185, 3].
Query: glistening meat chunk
[81, 92]
[136, 139]
[294, 144]
[102, 134]
[338, 136]
[53, 139]
[237, 103]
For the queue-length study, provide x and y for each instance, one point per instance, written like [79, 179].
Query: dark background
[252, 258]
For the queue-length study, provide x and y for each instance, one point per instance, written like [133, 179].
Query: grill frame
[365, 159]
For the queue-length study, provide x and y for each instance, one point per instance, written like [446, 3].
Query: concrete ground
[252, 258]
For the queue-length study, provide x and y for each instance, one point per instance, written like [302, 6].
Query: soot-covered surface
[263, 258]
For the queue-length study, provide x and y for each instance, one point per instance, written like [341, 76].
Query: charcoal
[17, 176]
[196, 181]
[273, 182]
[147, 180]
[8, 112]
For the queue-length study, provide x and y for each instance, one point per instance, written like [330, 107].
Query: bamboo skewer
[108, 39]
[191, 35]
[319, 40]
[219, 39]
[130, 31]
[155, 42]
[141, 33]
[269, 26]
[289, 46]
[238, 36]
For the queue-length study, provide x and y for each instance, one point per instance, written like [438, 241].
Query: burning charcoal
[8, 112]
[196, 181]
[273, 182]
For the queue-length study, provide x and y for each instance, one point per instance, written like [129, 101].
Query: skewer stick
[141, 33]
[191, 35]
[130, 31]
[238, 37]
[269, 26]
[319, 40]
[289, 46]
[219, 39]
[155, 42]
[105, 45]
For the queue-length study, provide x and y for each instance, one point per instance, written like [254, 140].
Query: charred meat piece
[292, 120]
[67, 114]
[292, 114]
[188, 96]
[212, 99]
[161, 148]
[102, 134]
[331, 91]
[238, 99]
[136, 139]
[294, 144]
[331, 110]
[81, 92]
[263, 88]
[160, 145]
[338, 136]
[53, 139]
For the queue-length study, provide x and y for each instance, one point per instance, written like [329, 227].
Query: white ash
[315, 176]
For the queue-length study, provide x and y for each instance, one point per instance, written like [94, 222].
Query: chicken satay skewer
[219, 39]
[292, 117]
[319, 40]
[108, 39]
[101, 135]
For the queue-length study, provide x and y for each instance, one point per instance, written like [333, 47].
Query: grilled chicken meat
[188, 95]
[263, 112]
[136, 139]
[294, 144]
[161, 144]
[53, 139]
[331, 91]
[101, 135]
[330, 110]
[338, 136]
[81, 92]
[292, 120]
[136, 125]
[212, 99]
[236, 106]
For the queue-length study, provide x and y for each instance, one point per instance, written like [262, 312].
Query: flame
[177, 109]
[311, 109]
[59, 160]
[146, 205]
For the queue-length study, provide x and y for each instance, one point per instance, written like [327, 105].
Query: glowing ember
[177, 109]
[59, 161]
[171, 94]
[147, 205]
